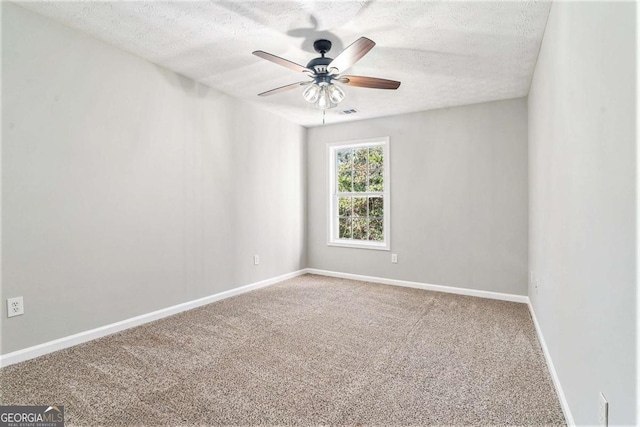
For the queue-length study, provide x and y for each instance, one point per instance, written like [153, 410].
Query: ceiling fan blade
[372, 82]
[284, 88]
[281, 61]
[351, 54]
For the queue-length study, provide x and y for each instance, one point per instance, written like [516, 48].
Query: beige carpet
[311, 350]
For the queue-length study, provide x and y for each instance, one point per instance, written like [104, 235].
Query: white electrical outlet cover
[15, 306]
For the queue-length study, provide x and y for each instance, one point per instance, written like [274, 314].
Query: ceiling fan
[324, 72]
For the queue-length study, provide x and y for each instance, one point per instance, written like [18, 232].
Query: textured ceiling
[445, 53]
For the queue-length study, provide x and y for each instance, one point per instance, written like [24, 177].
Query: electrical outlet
[603, 413]
[394, 258]
[15, 306]
[256, 260]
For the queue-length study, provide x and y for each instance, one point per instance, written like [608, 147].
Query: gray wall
[127, 188]
[582, 203]
[458, 197]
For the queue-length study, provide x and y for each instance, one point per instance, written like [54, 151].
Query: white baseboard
[552, 370]
[438, 288]
[79, 338]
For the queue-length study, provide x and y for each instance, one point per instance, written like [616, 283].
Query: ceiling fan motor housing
[319, 65]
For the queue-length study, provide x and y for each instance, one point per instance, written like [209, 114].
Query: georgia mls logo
[31, 416]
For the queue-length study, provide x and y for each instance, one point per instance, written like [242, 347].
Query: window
[359, 194]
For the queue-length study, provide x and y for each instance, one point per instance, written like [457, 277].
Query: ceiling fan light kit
[322, 91]
[323, 95]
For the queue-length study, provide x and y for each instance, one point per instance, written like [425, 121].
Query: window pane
[345, 228]
[360, 157]
[375, 207]
[344, 181]
[360, 206]
[344, 206]
[376, 230]
[360, 228]
[344, 159]
[344, 164]
[375, 158]
[360, 181]
[376, 180]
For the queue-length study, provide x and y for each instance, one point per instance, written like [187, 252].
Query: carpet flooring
[311, 350]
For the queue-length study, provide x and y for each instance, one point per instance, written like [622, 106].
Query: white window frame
[333, 231]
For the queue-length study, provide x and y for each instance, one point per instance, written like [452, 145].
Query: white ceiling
[445, 53]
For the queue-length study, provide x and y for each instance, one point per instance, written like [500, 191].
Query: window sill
[373, 246]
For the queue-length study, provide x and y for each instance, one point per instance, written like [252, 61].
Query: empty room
[354, 212]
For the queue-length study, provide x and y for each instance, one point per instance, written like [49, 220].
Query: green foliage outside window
[360, 170]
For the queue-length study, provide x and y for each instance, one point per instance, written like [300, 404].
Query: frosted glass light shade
[311, 93]
[335, 94]
[324, 101]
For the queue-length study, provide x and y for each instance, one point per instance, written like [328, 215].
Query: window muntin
[359, 214]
